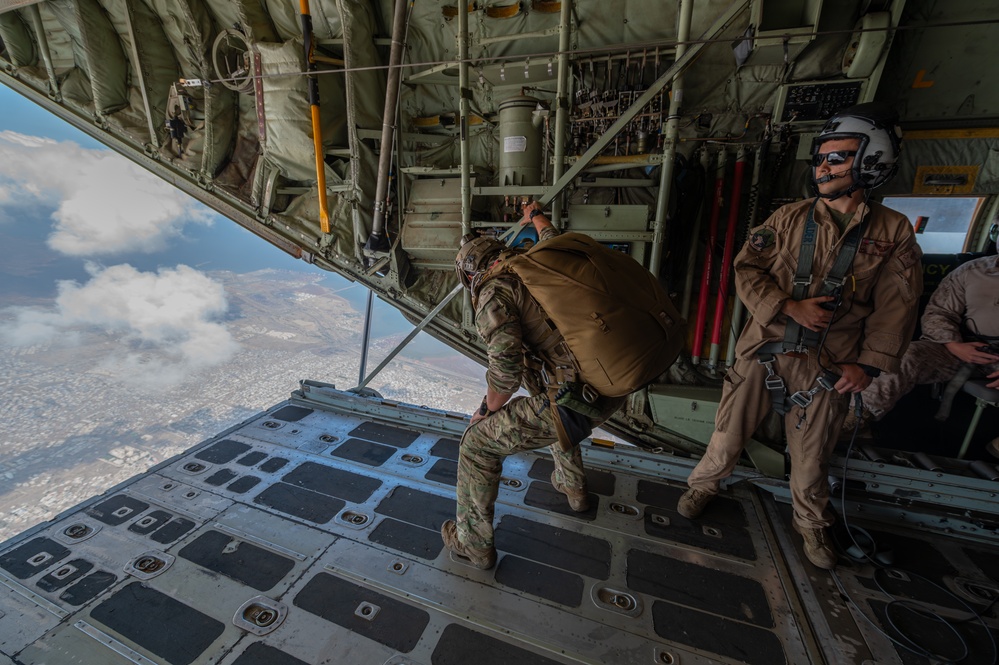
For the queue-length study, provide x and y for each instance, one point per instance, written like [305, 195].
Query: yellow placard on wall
[943, 180]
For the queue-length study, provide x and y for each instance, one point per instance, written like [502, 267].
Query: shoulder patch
[762, 238]
[875, 247]
[910, 257]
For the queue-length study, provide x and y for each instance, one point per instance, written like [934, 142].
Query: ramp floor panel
[330, 513]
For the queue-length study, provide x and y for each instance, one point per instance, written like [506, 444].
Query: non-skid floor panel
[368, 613]
[273, 464]
[460, 646]
[301, 503]
[173, 530]
[699, 587]
[416, 507]
[444, 471]
[556, 547]
[244, 484]
[601, 482]
[738, 641]
[408, 539]
[446, 448]
[239, 560]
[88, 588]
[166, 627]
[220, 477]
[364, 452]
[544, 496]
[291, 414]
[262, 654]
[251, 458]
[400, 438]
[708, 535]
[332, 482]
[223, 452]
[32, 557]
[64, 575]
[117, 510]
[540, 580]
[150, 522]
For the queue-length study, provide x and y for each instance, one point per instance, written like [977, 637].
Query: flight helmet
[875, 125]
[474, 258]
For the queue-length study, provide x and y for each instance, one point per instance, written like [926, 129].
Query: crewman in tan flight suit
[807, 348]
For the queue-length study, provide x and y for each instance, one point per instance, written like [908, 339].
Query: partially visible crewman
[832, 284]
[960, 319]
[523, 349]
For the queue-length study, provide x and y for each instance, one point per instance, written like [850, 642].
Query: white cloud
[165, 321]
[104, 203]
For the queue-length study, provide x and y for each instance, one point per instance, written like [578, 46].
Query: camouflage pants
[524, 423]
[924, 362]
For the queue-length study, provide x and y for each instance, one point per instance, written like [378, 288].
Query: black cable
[915, 647]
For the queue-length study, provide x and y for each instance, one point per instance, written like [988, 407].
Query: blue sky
[71, 209]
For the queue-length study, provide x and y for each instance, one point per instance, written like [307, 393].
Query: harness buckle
[774, 382]
[825, 382]
[802, 281]
[801, 398]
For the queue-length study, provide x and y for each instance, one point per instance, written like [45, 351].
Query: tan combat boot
[482, 558]
[578, 501]
[692, 503]
[818, 549]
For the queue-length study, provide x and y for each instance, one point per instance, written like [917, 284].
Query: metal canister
[520, 143]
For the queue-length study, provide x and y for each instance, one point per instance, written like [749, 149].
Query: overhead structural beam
[409, 338]
[7, 5]
[43, 46]
[672, 134]
[465, 94]
[140, 77]
[561, 101]
[681, 64]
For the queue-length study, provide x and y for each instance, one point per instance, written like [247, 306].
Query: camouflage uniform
[517, 337]
[969, 293]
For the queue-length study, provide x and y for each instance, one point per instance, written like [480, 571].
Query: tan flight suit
[872, 326]
[967, 298]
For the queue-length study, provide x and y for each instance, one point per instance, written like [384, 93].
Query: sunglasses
[834, 158]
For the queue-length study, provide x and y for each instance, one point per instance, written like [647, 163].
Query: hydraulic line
[709, 253]
[726, 265]
[308, 46]
[376, 241]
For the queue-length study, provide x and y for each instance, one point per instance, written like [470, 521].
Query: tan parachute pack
[617, 320]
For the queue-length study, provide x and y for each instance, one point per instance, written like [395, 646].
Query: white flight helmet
[875, 125]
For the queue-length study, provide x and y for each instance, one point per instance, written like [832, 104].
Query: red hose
[702, 297]
[726, 266]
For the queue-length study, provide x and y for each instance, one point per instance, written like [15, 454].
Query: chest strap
[797, 338]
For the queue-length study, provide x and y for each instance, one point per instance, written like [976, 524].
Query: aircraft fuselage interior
[366, 138]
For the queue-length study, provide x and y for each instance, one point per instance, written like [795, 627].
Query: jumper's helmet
[474, 258]
[875, 125]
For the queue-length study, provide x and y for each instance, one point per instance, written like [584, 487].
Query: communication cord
[868, 553]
